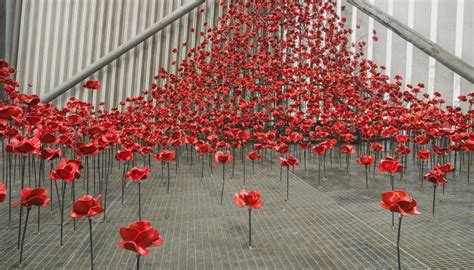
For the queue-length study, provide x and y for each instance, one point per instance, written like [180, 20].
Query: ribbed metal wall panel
[58, 38]
[448, 22]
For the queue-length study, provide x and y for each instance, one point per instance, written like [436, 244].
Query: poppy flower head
[202, 148]
[446, 168]
[139, 236]
[376, 147]
[26, 146]
[424, 154]
[87, 206]
[91, 149]
[403, 149]
[50, 153]
[291, 161]
[401, 138]
[366, 160]
[253, 155]
[421, 139]
[348, 149]
[67, 170]
[138, 174]
[398, 201]
[320, 149]
[33, 197]
[124, 155]
[92, 84]
[390, 165]
[30, 100]
[250, 198]
[223, 158]
[10, 112]
[469, 145]
[3, 192]
[436, 177]
[166, 156]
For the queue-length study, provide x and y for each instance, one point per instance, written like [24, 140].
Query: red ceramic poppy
[166, 156]
[3, 192]
[30, 100]
[446, 168]
[469, 145]
[11, 111]
[376, 147]
[33, 197]
[202, 148]
[398, 201]
[348, 149]
[45, 136]
[403, 149]
[250, 198]
[320, 149]
[67, 170]
[83, 149]
[421, 139]
[139, 236]
[87, 206]
[138, 174]
[253, 155]
[366, 160]
[221, 158]
[26, 146]
[390, 165]
[92, 84]
[436, 177]
[291, 161]
[124, 155]
[50, 153]
[424, 154]
[401, 138]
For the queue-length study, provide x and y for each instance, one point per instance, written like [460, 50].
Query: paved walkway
[330, 226]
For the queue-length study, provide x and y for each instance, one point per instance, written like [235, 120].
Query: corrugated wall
[61, 37]
[58, 38]
[448, 22]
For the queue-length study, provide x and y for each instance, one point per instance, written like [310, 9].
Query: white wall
[448, 22]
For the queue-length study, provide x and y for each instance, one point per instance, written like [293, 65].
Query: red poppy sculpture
[348, 150]
[366, 161]
[288, 162]
[391, 165]
[320, 150]
[138, 237]
[136, 175]
[223, 159]
[87, 206]
[397, 201]
[253, 201]
[31, 197]
[68, 171]
[436, 177]
[252, 156]
[3, 192]
[166, 156]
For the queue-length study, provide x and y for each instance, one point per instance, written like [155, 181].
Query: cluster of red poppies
[267, 77]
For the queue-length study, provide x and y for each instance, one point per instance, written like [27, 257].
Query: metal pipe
[114, 54]
[448, 59]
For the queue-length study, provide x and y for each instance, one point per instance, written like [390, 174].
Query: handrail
[448, 59]
[117, 52]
